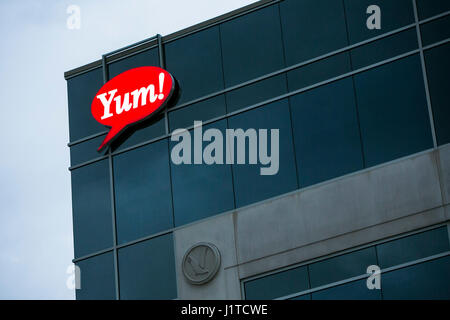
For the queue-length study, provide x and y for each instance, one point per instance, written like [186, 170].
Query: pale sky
[36, 242]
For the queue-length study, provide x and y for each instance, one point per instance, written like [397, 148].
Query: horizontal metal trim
[91, 255]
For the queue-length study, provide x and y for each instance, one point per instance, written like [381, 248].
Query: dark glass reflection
[251, 45]
[142, 191]
[394, 14]
[326, 134]
[91, 205]
[201, 190]
[312, 28]
[393, 111]
[147, 270]
[438, 71]
[277, 285]
[97, 278]
[81, 91]
[249, 184]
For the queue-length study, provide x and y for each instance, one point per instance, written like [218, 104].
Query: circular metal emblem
[201, 263]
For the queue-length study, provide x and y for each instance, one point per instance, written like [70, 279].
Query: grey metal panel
[343, 206]
[443, 158]
[219, 231]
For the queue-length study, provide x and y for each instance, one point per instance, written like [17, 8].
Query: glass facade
[287, 65]
[412, 267]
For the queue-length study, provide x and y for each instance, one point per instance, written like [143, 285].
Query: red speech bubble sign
[130, 97]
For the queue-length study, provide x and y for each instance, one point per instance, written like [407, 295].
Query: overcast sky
[36, 243]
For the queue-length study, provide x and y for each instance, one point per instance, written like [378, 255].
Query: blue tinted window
[97, 278]
[312, 28]
[277, 285]
[393, 111]
[140, 132]
[142, 191]
[256, 92]
[303, 297]
[341, 267]
[356, 290]
[384, 49]
[201, 190]
[435, 31]
[146, 58]
[147, 270]
[319, 71]
[201, 111]
[394, 14]
[251, 45]
[326, 135]
[438, 70]
[428, 8]
[81, 91]
[250, 186]
[195, 62]
[91, 205]
[427, 281]
[414, 247]
[85, 151]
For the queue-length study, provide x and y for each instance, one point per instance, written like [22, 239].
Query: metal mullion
[91, 255]
[113, 206]
[85, 163]
[424, 74]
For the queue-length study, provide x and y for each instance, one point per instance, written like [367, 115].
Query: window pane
[250, 186]
[142, 191]
[427, 8]
[427, 281]
[147, 270]
[97, 278]
[81, 91]
[356, 290]
[435, 31]
[277, 285]
[341, 267]
[91, 203]
[251, 45]
[146, 58]
[201, 190]
[256, 92]
[326, 134]
[141, 132]
[303, 297]
[438, 70]
[414, 247]
[319, 71]
[384, 49]
[312, 28]
[393, 111]
[203, 110]
[394, 14]
[195, 62]
[85, 151]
